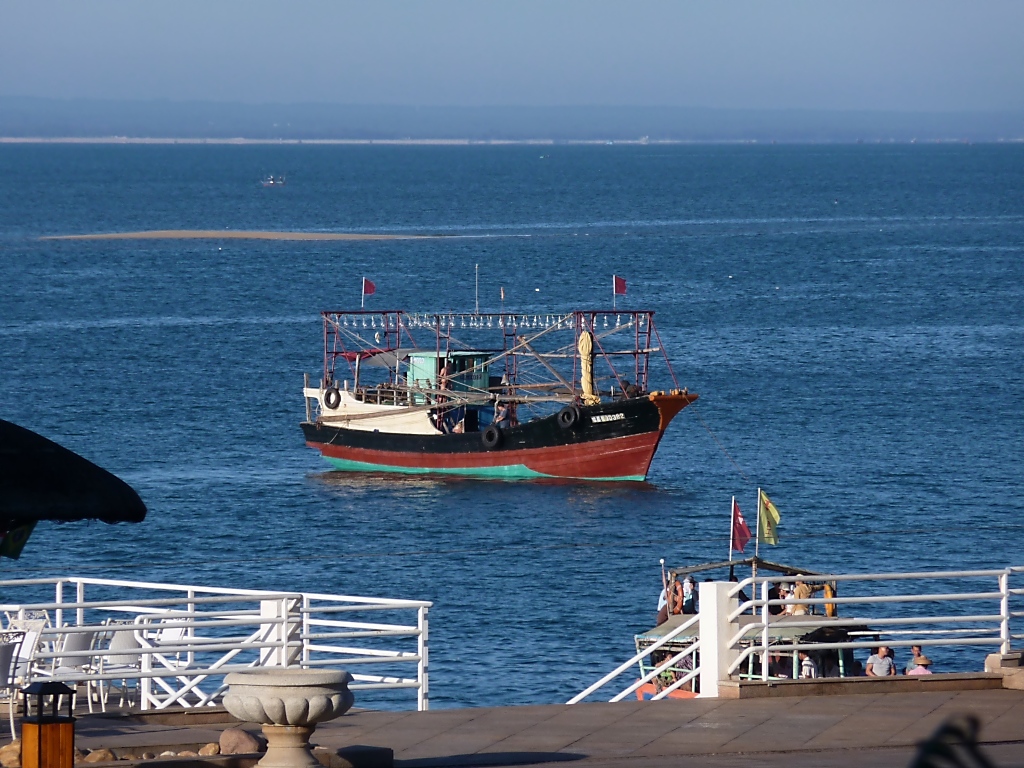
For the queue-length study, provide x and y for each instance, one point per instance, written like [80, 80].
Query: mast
[757, 535]
[732, 525]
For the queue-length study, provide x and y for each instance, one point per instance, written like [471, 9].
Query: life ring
[332, 398]
[568, 417]
[491, 437]
[830, 608]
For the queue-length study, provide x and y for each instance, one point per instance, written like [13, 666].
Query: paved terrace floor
[848, 730]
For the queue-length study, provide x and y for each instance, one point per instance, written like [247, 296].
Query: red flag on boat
[618, 285]
[368, 288]
[740, 530]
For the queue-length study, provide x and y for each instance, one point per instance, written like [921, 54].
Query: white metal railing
[187, 638]
[966, 609]
[984, 617]
[688, 626]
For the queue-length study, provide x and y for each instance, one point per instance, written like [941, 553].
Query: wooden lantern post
[47, 738]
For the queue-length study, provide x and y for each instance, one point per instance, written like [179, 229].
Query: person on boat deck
[502, 415]
[915, 652]
[784, 594]
[880, 663]
[802, 591]
[808, 669]
[741, 595]
[630, 390]
[922, 666]
[444, 378]
[689, 595]
[775, 592]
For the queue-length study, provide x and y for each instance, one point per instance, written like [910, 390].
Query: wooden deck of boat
[844, 730]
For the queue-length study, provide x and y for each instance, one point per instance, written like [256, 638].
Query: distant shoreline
[234, 234]
[468, 142]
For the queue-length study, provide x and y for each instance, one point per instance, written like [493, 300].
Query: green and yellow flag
[767, 519]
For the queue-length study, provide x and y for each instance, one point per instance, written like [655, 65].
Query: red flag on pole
[740, 530]
[368, 288]
[618, 285]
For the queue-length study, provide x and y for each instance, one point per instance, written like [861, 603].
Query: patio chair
[170, 637]
[10, 643]
[78, 667]
[121, 657]
[25, 662]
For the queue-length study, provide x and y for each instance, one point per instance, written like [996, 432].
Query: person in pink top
[922, 666]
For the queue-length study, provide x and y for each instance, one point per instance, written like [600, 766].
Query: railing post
[715, 654]
[305, 623]
[58, 615]
[422, 672]
[1004, 612]
[765, 613]
[190, 633]
[146, 683]
[269, 609]
[80, 598]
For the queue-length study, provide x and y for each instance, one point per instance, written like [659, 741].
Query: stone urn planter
[288, 703]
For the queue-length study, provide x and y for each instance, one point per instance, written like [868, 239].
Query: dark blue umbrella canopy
[41, 480]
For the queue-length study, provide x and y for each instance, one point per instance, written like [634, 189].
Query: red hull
[621, 457]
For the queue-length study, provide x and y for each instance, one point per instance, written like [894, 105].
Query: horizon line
[243, 141]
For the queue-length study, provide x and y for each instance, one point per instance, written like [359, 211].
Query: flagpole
[757, 540]
[613, 291]
[478, 289]
[362, 293]
[732, 526]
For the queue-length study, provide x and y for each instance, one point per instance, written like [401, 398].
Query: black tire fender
[569, 417]
[332, 398]
[491, 437]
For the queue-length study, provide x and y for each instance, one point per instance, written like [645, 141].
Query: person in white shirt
[808, 669]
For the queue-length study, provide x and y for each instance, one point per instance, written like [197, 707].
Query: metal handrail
[623, 667]
[277, 629]
[757, 632]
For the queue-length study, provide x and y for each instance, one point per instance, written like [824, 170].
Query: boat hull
[612, 441]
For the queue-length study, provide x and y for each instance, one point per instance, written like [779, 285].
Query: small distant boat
[273, 181]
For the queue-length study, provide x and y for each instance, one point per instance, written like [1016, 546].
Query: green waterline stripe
[503, 472]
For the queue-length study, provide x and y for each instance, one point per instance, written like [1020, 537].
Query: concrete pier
[877, 729]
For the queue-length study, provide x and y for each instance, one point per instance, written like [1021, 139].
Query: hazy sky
[903, 55]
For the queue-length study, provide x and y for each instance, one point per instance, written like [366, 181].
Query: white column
[286, 633]
[715, 632]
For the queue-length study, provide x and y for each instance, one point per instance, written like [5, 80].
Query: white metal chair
[31, 630]
[121, 657]
[10, 643]
[79, 666]
[170, 637]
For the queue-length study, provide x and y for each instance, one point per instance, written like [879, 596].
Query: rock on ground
[10, 755]
[99, 756]
[235, 741]
[208, 750]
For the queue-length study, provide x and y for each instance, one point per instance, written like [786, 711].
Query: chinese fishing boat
[496, 395]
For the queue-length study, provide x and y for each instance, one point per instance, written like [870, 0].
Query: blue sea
[852, 317]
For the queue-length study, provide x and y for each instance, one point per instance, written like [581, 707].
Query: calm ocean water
[853, 318]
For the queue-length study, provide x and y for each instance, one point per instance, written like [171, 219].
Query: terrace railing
[961, 609]
[187, 638]
[966, 611]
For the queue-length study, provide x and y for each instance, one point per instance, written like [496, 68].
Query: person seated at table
[915, 651]
[808, 669]
[922, 666]
[880, 663]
